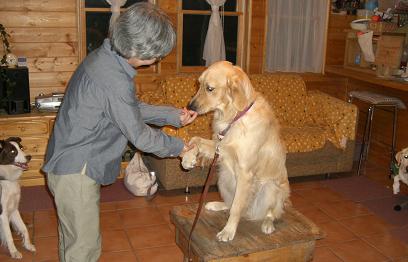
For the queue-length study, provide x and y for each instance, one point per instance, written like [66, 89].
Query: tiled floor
[138, 230]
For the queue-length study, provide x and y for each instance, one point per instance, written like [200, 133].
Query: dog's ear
[14, 139]
[398, 157]
[240, 89]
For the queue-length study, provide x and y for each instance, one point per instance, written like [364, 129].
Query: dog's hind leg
[8, 238]
[20, 227]
[238, 205]
[216, 206]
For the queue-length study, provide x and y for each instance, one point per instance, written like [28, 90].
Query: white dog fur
[10, 197]
[252, 176]
[402, 162]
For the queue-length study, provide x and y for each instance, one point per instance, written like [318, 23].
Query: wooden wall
[336, 36]
[46, 33]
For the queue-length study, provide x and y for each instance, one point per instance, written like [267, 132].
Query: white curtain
[214, 47]
[295, 36]
[115, 8]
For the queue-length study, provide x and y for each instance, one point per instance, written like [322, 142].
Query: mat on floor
[376, 197]
[39, 198]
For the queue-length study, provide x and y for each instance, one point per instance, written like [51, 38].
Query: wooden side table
[293, 240]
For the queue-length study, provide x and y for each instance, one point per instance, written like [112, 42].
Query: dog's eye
[406, 156]
[210, 88]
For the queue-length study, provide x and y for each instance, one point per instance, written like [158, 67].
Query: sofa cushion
[286, 94]
[303, 139]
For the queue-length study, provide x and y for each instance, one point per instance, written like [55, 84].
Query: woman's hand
[187, 116]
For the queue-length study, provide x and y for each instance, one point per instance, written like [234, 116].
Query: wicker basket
[381, 27]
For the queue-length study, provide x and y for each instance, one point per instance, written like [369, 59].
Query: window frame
[240, 13]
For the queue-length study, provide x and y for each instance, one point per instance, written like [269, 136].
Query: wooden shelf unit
[34, 129]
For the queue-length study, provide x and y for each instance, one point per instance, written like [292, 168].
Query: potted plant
[7, 59]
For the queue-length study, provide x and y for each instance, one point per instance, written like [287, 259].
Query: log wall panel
[37, 19]
[43, 35]
[38, 5]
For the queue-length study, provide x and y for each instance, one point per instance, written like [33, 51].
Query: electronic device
[49, 102]
[15, 90]
[21, 61]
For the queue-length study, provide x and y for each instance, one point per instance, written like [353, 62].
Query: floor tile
[315, 214]
[317, 195]
[47, 249]
[357, 251]
[134, 203]
[151, 236]
[144, 216]
[123, 256]
[366, 225]
[5, 255]
[324, 254]
[110, 220]
[388, 245]
[115, 240]
[335, 233]
[305, 185]
[108, 206]
[168, 254]
[162, 199]
[343, 209]
[298, 201]
[45, 224]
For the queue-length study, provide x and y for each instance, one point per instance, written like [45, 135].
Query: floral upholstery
[308, 119]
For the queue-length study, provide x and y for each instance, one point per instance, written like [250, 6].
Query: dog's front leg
[203, 149]
[20, 227]
[238, 204]
[8, 238]
[396, 185]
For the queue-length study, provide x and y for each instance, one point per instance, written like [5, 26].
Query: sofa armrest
[338, 117]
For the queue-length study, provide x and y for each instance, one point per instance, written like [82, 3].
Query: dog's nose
[28, 157]
[192, 106]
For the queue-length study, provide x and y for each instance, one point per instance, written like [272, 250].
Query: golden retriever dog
[252, 176]
[402, 162]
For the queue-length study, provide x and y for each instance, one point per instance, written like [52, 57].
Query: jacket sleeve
[124, 111]
[160, 115]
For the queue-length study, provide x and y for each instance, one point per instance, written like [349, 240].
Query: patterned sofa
[318, 129]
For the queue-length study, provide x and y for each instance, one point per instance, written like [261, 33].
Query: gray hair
[142, 31]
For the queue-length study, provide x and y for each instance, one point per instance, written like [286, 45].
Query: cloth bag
[138, 180]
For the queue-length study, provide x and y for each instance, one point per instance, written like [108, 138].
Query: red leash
[210, 177]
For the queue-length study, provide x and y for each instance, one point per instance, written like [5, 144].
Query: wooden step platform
[293, 240]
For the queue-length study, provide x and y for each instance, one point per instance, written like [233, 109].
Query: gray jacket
[100, 114]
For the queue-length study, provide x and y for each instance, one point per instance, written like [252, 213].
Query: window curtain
[295, 35]
[214, 47]
[115, 8]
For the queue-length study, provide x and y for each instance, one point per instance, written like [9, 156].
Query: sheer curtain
[214, 47]
[295, 36]
[115, 8]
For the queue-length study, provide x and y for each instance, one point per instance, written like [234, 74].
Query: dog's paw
[216, 206]
[30, 247]
[16, 254]
[227, 234]
[190, 158]
[267, 226]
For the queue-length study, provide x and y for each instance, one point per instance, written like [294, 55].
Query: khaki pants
[77, 199]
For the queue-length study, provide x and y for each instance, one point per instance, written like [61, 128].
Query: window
[95, 17]
[194, 16]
